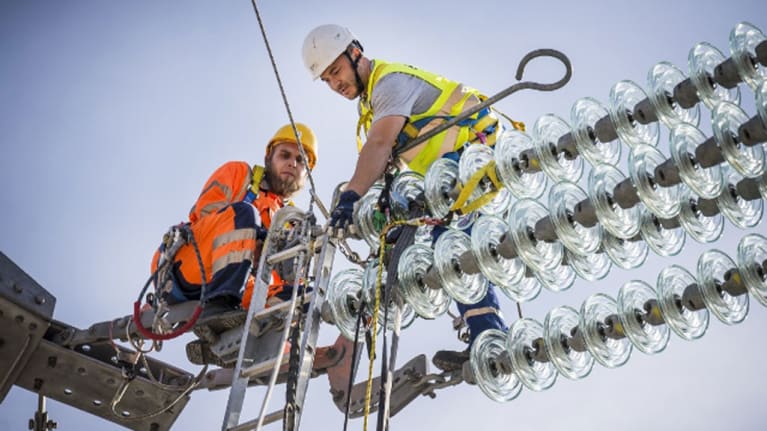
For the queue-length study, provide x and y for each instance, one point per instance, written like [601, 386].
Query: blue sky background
[114, 114]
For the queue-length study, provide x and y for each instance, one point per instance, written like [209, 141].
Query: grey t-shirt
[401, 94]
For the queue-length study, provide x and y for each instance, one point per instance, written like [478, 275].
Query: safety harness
[164, 282]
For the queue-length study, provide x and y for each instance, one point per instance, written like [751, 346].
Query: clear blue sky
[113, 114]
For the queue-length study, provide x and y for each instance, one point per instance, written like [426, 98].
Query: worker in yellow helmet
[228, 232]
[397, 103]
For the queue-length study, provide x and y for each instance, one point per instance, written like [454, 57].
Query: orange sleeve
[248, 293]
[274, 288]
[228, 184]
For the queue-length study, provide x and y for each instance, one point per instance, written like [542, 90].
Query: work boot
[218, 305]
[219, 314]
[198, 352]
[285, 294]
[450, 360]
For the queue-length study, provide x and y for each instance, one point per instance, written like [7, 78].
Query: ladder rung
[285, 254]
[252, 424]
[261, 314]
[275, 309]
[262, 367]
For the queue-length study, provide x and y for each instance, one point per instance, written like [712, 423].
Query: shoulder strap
[255, 179]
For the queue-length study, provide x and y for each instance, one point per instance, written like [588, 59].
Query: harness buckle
[176, 237]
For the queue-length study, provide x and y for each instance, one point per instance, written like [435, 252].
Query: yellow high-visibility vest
[451, 102]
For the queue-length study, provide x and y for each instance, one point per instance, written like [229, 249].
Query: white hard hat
[323, 45]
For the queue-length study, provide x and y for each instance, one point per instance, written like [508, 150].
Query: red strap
[151, 335]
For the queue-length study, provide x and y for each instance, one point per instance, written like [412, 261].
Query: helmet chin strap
[355, 62]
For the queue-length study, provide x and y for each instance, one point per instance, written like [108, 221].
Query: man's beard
[284, 188]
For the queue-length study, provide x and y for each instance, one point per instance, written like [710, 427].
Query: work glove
[261, 233]
[342, 214]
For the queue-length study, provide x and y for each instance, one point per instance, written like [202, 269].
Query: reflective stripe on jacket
[227, 185]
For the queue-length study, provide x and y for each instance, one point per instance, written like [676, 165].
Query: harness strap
[451, 104]
[518, 125]
[488, 171]
[366, 116]
[481, 311]
[255, 182]
[483, 123]
[460, 323]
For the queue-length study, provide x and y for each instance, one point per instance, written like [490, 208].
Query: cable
[126, 383]
[354, 364]
[197, 311]
[376, 305]
[312, 189]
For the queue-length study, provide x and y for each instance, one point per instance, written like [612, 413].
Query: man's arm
[375, 154]
[226, 185]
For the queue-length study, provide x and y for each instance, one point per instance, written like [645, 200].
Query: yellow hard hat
[305, 134]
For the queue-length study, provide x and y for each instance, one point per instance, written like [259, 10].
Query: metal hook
[528, 84]
[545, 53]
[513, 89]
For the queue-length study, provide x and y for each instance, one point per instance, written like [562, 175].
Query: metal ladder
[256, 349]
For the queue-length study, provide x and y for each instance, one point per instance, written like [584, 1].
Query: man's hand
[261, 233]
[341, 217]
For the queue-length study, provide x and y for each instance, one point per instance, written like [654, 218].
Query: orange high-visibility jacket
[229, 184]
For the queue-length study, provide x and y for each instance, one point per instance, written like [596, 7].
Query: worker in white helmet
[397, 103]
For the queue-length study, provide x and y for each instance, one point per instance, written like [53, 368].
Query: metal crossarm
[25, 314]
[58, 361]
